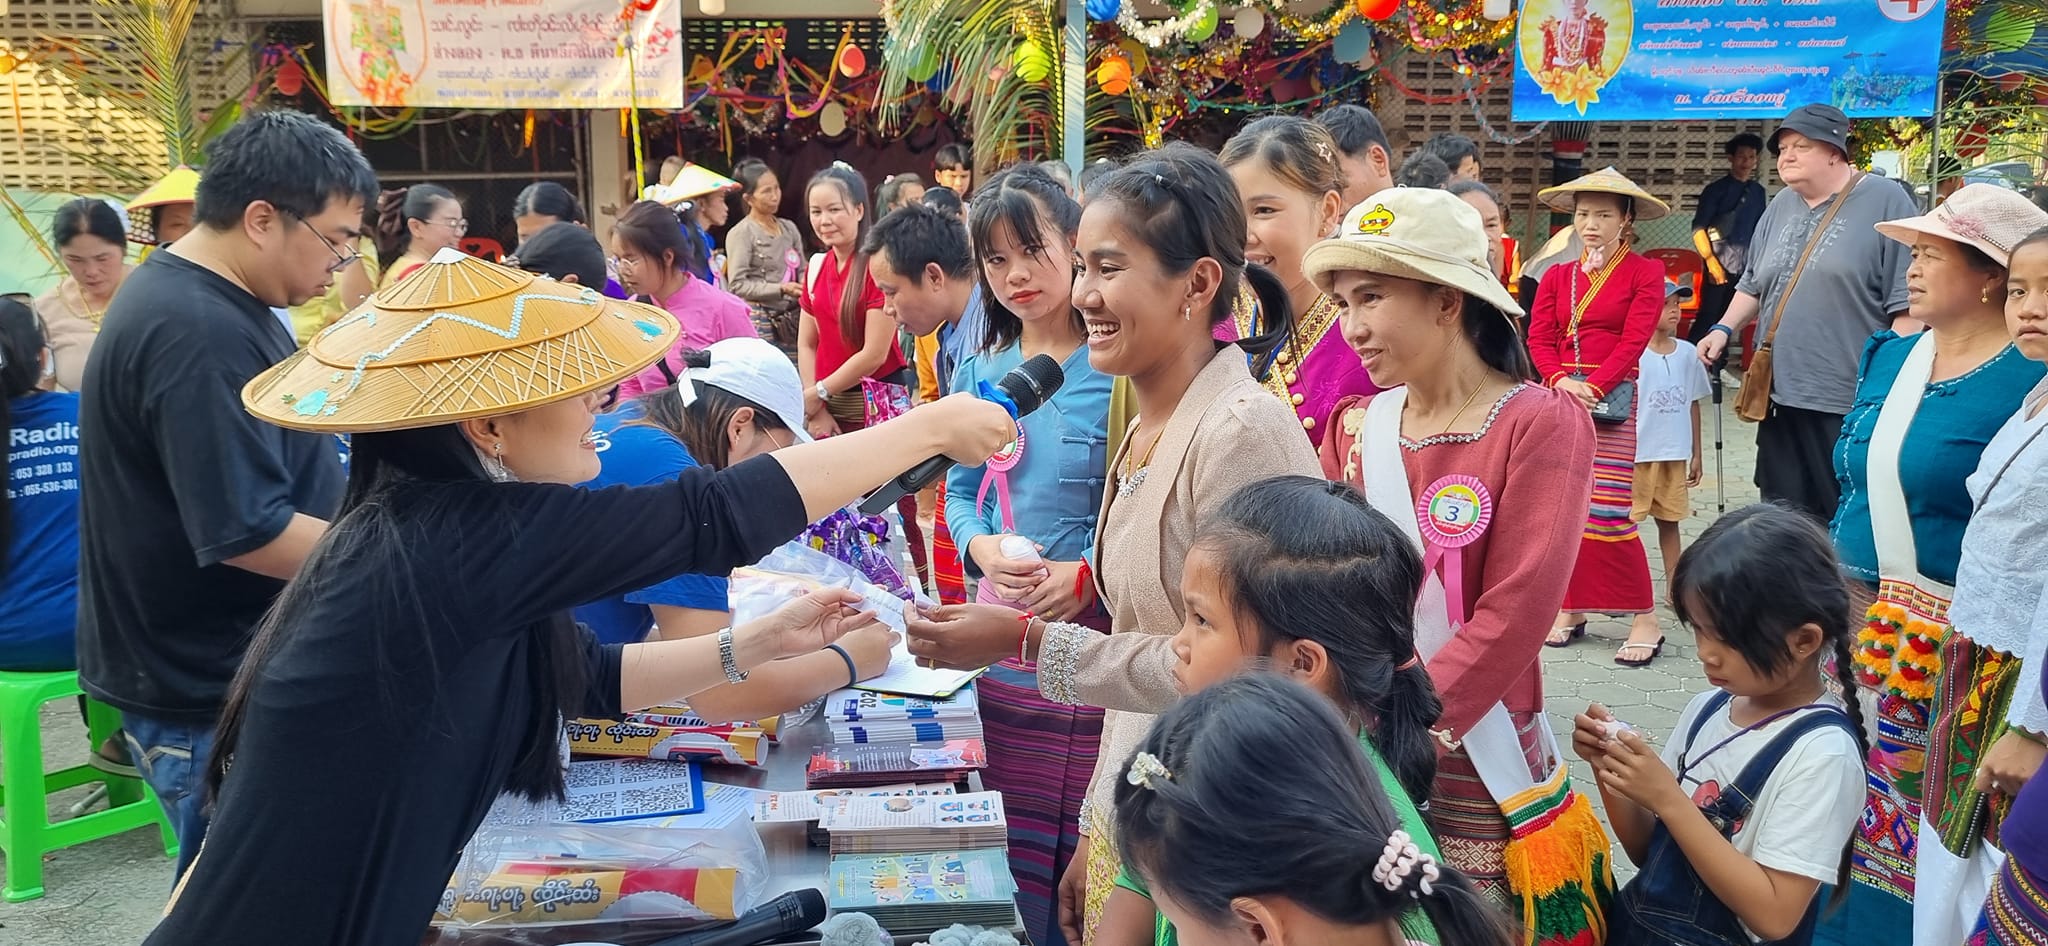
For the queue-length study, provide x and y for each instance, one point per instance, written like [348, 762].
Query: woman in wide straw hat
[1926, 407]
[163, 213]
[422, 661]
[1486, 470]
[1591, 323]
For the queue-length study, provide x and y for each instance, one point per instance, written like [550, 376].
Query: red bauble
[1377, 10]
[291, 78]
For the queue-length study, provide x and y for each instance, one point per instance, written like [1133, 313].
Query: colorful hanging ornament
[1377, 10]
[1248, 23]
[1352, 44]
[1167, 31]
[291, 77]
[1205, 23]
[926, 66]
[1031, 62]
[1103, 11]
[1114, 75]
[852, 62]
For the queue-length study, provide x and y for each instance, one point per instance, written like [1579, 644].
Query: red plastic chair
[483, 248]
[1686, 267]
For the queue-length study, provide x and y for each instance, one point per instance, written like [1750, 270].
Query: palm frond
[34, 233]
[978, 40]
[140, 60]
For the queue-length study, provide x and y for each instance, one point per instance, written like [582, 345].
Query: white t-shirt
[1666, 386]
[1808, 807]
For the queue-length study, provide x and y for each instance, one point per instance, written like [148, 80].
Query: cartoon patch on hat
[1377, 221]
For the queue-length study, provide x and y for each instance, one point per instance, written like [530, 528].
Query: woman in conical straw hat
[1591, 322]
[1488, 472]
[423, 659]
[163, 213]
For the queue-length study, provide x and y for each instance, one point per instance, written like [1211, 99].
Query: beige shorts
[1660, 492]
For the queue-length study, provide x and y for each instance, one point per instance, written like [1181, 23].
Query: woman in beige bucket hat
[423, 659]
[1485, 469]
[1926, 407]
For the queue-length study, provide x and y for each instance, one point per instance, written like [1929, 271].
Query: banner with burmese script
[514, 54]
[1648, 60]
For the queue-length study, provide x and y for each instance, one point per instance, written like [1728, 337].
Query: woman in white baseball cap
[1486, 470]
[738, 399]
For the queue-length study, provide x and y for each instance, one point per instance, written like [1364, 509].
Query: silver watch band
[726, 661]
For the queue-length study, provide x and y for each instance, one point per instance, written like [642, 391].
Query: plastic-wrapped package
[556, 875]
[796, 569]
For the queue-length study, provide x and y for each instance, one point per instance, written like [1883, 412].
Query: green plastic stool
[26, 834]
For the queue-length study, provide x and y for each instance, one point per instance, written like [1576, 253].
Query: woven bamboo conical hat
[1604, 181]
[459, 338]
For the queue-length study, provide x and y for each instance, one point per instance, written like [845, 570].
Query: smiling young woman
[1162, 254]
[1288, 176]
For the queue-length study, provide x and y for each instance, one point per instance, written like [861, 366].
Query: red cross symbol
[1906, 11]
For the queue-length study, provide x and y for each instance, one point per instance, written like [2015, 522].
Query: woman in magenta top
[1288, 177]
[1591, 323]
[844, 337]
[1466, 438]
[656, 254]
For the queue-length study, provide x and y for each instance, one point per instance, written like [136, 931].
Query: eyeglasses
[459, 224]
[341, 260]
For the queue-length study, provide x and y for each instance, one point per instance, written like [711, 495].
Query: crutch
[1720, 482]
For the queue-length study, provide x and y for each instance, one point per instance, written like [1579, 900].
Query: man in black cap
[1818, 297]
[563, 251]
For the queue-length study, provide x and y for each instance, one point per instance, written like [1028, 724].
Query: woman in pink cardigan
[657, 260]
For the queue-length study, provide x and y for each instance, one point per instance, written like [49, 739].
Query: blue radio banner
[1613, 60]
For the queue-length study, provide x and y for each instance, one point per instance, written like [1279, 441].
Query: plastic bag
[797, 569]
[559, 874]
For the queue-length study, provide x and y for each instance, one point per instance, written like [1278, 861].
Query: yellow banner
[512, 54]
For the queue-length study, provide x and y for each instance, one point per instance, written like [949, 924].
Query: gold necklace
[1131, 479]
[1474, 396]
[85, 309]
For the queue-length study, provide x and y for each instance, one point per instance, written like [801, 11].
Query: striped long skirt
[1613, 571]
[1041, 755]
[2016, 913]
[1468, 823]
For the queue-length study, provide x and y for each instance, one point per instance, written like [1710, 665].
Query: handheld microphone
[792, 912]
[1027, 386]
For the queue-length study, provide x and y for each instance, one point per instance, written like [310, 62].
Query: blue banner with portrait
[1613, 60]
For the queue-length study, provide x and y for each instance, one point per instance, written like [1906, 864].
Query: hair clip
[1145, 768]
[1400, 861]
[1323, 148]
[842, 165]
[1159, 179]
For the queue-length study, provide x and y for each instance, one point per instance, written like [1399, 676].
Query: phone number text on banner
[505, 53]
[1616, 60]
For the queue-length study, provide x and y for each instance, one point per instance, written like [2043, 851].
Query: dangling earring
[494, 465]
[1985, 296]
[1187, 311]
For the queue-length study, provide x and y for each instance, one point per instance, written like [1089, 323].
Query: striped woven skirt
[1041, 755]
[947, 572]
[1888, 835]
[1469, 826]
[1613, 571]
[2016, 913]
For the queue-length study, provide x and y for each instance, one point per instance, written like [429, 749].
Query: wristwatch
[733, 673]
[823, 395]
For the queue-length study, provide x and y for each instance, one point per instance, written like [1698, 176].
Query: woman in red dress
[1587, 333]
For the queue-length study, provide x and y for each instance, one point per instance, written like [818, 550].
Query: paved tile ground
[108, 893]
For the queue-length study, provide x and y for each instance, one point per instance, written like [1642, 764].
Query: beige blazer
[1227, 432]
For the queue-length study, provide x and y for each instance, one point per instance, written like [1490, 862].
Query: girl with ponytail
[1292, 186]
[1245, 839]
[1161, 251]
[1302, 575]
[1753, 801]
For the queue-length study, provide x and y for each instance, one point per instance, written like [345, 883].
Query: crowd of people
[1262, 588]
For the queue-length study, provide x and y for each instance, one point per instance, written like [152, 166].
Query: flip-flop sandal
[1656, 650]
[111, 757]
[1571, 634]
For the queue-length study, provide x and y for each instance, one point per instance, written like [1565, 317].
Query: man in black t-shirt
[192, 513]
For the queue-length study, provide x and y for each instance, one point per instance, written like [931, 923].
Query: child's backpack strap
[1739, 797]
[1714, 705]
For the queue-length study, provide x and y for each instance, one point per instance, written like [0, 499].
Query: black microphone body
[792, 912]
[1028, 386]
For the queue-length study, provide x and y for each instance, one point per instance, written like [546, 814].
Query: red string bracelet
[1084, 583]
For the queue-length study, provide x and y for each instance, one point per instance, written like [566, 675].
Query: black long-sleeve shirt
[386, 721]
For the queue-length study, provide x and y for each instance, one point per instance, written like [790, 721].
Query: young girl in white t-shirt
[1751, 804]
